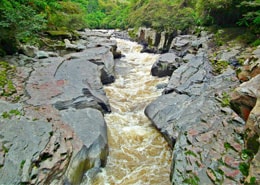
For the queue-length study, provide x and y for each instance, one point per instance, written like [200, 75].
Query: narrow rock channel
[138, 153]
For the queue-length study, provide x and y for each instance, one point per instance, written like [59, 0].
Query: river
[138, 154]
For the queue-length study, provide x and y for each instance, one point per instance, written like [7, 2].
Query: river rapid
[138, 154]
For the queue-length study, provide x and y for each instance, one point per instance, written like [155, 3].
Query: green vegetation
[244, 168]
[225, 101]
[252, 181]
[219, 66]
[11, 113]
[228, 146]
[6, 73]
[5, 149]
[22, 164]
[247, 154]
[189, 152]
[192, 180]
[22, 21]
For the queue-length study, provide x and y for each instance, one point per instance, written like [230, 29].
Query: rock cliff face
[58, 133]
[245, 101]
[212, 144]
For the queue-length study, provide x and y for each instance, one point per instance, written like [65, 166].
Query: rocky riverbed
[52, 127]
[57, 131]
[207, 117]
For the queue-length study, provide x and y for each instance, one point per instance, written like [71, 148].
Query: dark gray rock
[101, 56]
[90, 127]
[22, 142]
[181, 44]
[189, 78]
[206, 139]
[82, 87]
[166, 64]
[66, 97]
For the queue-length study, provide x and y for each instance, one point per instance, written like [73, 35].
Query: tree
[18, 23]
[251, 15]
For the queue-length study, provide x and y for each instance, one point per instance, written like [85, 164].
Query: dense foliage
[22, 20]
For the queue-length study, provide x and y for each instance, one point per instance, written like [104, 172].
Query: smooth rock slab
[81, 85]
[101, 56]
[23, 141]
[90, 127]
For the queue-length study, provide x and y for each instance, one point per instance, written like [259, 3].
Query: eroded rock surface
[203, 131]
[245, 101]
[166, 64]
[58, 133]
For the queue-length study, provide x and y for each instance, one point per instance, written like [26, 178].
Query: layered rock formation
[58, 133]
[194, 115]
[245, 101]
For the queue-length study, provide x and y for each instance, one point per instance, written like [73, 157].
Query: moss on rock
[7, 71]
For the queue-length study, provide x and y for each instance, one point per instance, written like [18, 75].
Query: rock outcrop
[245, 101]
[212, 144]
[166, 64]
[58, 133]
[204, 132]
[173, 42]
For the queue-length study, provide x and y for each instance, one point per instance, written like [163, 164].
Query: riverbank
[53, 106]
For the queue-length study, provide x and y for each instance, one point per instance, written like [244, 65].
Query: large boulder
[204, 132]
[90, 127]
[67, 83]
[184, 44]
[154, 41]
[81, 86]
[245, 101]
[101, 56]
[166, 64]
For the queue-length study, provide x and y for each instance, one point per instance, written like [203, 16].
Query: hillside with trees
[22, 21]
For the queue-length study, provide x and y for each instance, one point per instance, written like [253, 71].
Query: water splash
[139, 155]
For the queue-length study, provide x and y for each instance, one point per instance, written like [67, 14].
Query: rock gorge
[56, 132]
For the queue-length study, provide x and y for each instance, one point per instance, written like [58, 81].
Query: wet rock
[90, 126]
[190, 116]
[166, 64]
